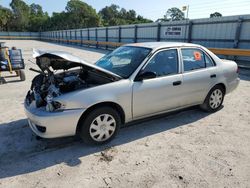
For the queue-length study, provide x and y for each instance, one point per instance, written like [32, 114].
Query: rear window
[195, 59]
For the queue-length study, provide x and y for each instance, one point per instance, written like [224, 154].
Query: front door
[151, 96]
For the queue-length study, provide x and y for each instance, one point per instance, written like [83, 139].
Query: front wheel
[100, 126]
[214, 99]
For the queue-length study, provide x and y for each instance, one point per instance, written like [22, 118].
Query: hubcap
[215, 99]
[102, 127]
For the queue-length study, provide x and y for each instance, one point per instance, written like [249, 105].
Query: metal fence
[223, 32]
[19, 35]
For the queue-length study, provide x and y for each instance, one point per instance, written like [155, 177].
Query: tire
[214, 99]
[94, 130]
[22, 75]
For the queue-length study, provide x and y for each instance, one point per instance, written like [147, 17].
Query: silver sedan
[70, 96]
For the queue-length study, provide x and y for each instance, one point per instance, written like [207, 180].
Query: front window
[163, 63]
[124, 60]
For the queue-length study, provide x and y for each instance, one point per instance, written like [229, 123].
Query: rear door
[199, 75]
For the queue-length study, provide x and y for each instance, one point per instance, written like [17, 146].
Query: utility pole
[186, 8]
[187, 12]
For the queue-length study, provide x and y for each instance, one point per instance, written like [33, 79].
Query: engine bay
[59, 76]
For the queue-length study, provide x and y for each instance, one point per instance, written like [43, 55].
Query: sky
[154, 9]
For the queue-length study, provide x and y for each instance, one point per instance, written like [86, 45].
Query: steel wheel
[215, 99]
[102, 127]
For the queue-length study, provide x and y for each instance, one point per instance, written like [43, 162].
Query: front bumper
[55, 124]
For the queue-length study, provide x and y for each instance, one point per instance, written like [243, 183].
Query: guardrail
[231, 51]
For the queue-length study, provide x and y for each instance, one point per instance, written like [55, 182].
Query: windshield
[124, 60]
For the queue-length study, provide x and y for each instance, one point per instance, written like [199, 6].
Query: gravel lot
[190, 148]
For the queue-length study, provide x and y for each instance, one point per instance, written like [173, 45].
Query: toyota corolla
[70, 96]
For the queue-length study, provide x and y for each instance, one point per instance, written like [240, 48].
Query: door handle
[176, 83]
[213, 76]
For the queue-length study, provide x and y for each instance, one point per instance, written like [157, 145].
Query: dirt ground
[185, 149]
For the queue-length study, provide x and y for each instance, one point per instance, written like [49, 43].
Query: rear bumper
[233, 85]
[54, 124]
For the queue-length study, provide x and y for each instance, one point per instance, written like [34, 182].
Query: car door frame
[209, 69]
[150, 56]
[144, 64]
[193, 47]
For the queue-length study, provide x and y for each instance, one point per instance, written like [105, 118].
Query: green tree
[36, 10]
[174, 14]
[113, 15]
[37, 18]
[57, 21]
[77, 14]
[110, 15]
[141, 19]
[81, 15]
[5, 18]
[20, 10]
[215, 14]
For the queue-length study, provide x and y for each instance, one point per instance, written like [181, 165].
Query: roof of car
[157, 45]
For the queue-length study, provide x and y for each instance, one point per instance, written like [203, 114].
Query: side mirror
[145, 75]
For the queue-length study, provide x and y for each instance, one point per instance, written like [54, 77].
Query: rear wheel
[100, 126]
[214, 99]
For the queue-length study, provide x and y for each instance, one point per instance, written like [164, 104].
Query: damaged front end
[62, 73]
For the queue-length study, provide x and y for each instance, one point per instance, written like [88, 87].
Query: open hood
[63, 60]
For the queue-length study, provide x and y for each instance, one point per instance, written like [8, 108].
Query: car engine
[47, 86]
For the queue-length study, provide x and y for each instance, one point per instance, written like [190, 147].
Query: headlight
[54, 106]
